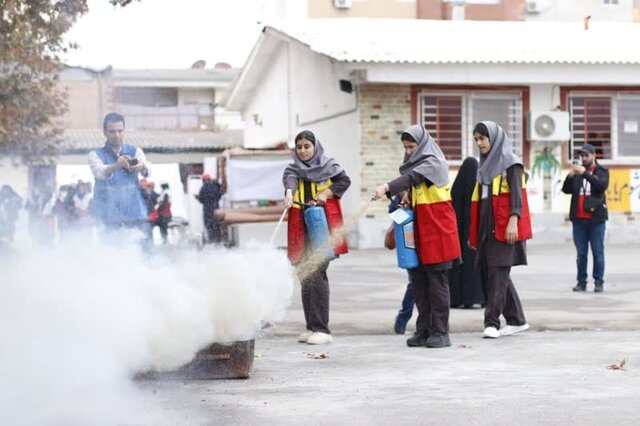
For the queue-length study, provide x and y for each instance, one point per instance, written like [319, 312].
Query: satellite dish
[545, 125]
[199, 65]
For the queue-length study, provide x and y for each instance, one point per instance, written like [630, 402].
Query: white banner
[255, 179]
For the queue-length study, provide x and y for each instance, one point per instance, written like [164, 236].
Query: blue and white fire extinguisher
[405, 242]
[315, 220]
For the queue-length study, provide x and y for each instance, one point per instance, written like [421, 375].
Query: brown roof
[84, 140]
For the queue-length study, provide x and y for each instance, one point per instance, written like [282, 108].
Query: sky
[169, 33]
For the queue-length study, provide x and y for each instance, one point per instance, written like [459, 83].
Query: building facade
[358, 83]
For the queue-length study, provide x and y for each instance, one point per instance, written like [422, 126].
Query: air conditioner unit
[342, 4]
[548, 126]
[532, 6]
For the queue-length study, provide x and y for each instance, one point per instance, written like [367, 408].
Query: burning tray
[217, 361]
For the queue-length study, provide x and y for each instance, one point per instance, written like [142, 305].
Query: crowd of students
[481, 239]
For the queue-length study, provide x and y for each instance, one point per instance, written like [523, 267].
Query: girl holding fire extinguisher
[313, 179]
[425, 176]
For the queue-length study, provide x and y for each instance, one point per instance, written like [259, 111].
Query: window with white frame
[450, 117]
[608, 121]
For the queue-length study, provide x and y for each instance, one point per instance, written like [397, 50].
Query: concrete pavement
[555, 373]
[367, 287]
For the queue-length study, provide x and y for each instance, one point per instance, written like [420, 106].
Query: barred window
[451, 116]
[591, 123]
[608, 121]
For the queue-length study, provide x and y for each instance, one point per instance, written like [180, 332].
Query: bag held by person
[390, 238]
[592, 204]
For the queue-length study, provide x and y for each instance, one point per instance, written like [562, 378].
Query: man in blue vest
[117, 199]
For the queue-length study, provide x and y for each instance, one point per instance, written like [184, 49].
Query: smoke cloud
[78, 321]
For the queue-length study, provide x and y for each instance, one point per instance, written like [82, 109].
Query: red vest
[435, 224]
[500, 199]
[295, 221]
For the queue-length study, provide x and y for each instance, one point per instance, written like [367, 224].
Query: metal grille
[591, 123]
[507, 113]
[450, 118]
[628, 119]
[442, 116]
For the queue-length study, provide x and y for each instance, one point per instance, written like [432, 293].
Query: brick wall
[385, 111]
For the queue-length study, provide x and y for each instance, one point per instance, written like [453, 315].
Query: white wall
[300, 91]
[266, 114]
[573, 10]
[520, 74]
[318, 104]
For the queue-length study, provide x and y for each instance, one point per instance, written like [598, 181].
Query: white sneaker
[304, 336]
[490, 333]
[319, 338]
[508, 330]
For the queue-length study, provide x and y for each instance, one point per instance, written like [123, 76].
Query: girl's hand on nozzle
[380, 192]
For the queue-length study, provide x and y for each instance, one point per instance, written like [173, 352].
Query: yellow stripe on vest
[499, 185]
[430, 195]
[316, 188]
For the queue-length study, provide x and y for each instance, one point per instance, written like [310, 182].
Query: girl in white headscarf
[500, 226]
[425, 176]
[313, 178]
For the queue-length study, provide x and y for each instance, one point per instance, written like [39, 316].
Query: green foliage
[545, 162]
[31, 42]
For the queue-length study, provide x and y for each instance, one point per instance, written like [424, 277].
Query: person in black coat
[209, 196]
[587, 182]
[465, 280]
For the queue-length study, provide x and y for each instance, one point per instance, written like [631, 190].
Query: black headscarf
[461, 192]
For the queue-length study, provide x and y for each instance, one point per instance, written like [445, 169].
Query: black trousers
[431, 293]
[502, 298]
[212, 224]
[315, 300]
[163, 225]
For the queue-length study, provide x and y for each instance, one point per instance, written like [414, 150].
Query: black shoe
[438, 341]
[400, 326]
[418, 339]
[580, 287]
[598, 288]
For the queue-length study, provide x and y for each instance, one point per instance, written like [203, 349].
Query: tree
[31, 42]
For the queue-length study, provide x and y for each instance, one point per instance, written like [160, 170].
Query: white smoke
[77, 321]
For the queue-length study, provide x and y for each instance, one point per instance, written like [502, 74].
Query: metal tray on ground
[218, 361]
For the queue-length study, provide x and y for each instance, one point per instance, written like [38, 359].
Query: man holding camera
[587, 183]
[117, 199]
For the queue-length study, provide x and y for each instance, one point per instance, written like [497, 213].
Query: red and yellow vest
[295, 220]
[501, 210]
[435, 224]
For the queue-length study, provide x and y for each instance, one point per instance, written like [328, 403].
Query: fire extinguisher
[405, 242]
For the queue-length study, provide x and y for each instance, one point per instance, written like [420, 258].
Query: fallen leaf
[618, 366]
[318, 355]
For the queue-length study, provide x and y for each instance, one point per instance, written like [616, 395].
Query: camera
[132, 161]
[576, 162]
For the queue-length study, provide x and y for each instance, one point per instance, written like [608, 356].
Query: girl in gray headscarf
[313, 178]
[425, 178]
[500, 226]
